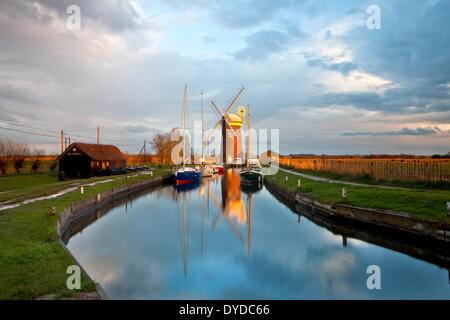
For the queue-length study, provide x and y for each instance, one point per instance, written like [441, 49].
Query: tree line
[17, 152]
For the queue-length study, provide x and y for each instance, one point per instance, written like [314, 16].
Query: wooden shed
[85, 160]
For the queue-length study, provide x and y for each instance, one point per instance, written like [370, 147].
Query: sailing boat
[252, 172]
[186, 174]
[207, 171]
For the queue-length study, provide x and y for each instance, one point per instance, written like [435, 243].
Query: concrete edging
[78, 208]
[385, 219]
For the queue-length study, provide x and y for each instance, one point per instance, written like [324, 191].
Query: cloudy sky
[311, 68]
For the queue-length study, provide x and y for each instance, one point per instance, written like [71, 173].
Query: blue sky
[310, 68]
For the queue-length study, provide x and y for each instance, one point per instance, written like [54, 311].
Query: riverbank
[420, 203]
[418, 212]
[32, 261]
[366, 179]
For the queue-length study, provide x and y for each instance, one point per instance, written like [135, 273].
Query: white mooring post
[299, 184]
[151, 173]
[98, 197]
[448, 208]
[82, 190]
[344, 193]
[286, 178]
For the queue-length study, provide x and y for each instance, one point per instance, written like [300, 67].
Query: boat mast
[248, 139]
[184, 232]
[249, 223]
[203, 141]
[184, 131]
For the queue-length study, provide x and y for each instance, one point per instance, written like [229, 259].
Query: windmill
[231, 129]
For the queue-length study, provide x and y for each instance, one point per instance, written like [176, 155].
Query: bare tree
[162, 144]
[18, 153]
[37, 153]
[14, 151]
[4, 155]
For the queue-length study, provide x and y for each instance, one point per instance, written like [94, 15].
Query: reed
[424, 170]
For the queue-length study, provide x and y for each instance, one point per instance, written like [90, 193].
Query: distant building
[84, 160]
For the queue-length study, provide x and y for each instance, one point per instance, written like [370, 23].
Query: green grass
[429, 204]
[31, 185]
[27, 167]
[29, 266]
[366, 179]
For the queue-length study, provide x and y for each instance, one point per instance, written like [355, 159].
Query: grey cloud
[363, 100]
[138, 129]
[344, 67]
[18, 94]
[262, 44]
[403, 132]
[116, 15]
[420, 96]
[239, 14]
[4, 115]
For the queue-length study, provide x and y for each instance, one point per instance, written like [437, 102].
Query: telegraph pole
[98, 135]
[62, 142]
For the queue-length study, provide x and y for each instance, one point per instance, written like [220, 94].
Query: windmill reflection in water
[225, 192]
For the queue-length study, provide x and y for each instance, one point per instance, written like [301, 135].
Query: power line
[66, 133]
[28, 132]
[26, 126]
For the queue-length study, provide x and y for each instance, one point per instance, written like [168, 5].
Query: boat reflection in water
[221, 239]
[230, 208]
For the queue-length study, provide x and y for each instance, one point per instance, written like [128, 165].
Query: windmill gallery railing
[430, 170]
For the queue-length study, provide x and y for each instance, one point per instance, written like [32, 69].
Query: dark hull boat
[252, 172]
[188, 186]
[251, 175]
[184, 176]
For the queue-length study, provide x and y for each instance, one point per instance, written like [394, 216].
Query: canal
[220, 240]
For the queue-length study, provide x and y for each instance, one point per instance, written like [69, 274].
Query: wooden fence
[430, 170]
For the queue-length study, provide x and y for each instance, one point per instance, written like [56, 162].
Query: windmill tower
[231, 147]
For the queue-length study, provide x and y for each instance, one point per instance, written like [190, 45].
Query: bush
[36, 165]
[53, 166]
[3, 165]
[18, 164]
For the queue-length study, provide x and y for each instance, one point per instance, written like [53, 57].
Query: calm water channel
[222, 241]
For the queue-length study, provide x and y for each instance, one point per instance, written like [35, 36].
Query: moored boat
[185, 174]
[252, 172]
[218, 169]
[207, 172]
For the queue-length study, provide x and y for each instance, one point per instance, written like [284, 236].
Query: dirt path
[342, 182]
[5, 205]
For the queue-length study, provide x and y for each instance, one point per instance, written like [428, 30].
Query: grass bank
[20, 187]
[428, 204]
[366, 179]
[32, 262]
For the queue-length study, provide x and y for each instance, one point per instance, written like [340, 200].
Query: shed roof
[97, 152]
